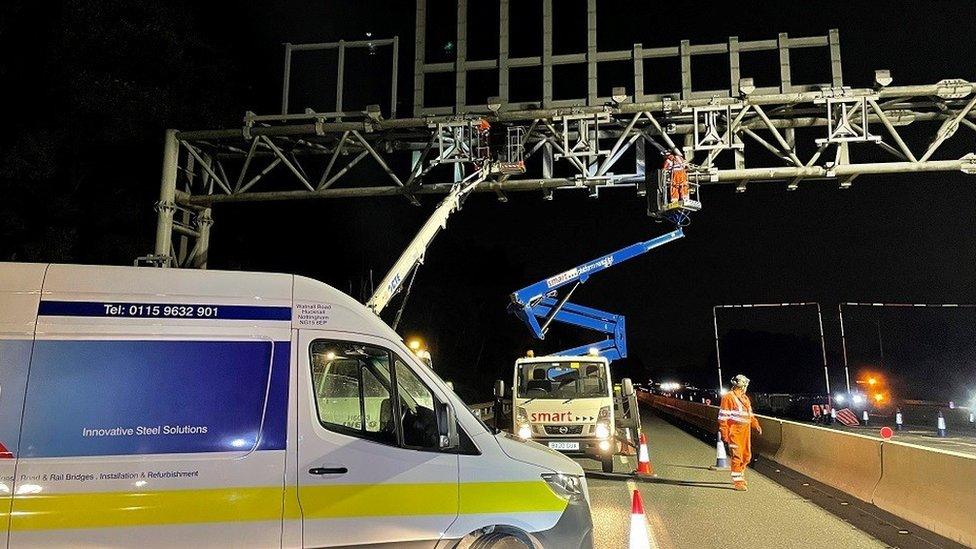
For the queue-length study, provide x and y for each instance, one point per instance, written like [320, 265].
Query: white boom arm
[414, 254]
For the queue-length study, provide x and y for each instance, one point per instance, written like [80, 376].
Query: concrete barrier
[932, 488]
[769, 442]
[851, 463]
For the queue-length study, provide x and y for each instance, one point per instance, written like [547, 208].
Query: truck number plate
[564, 445]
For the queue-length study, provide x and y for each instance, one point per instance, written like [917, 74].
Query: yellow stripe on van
[509, 497]
[117, 509]
[107, 509]
[378, 500]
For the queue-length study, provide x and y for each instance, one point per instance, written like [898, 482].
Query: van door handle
[328, 471]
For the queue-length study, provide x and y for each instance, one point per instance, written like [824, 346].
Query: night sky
[91, 85]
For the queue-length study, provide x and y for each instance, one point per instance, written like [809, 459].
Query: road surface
[957, 440]
[690, 506]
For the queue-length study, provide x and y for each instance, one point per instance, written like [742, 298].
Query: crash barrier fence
[932, 488]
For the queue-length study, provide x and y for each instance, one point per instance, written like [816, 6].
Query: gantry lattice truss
[745, 133]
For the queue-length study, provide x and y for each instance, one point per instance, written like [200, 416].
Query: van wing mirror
[499, 389]
[446, 427]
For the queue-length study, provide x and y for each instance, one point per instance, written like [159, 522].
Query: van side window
[419, 421]
[352, 389]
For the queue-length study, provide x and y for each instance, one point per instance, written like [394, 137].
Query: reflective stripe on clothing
[742, 411]
[735, 415]
[733, 409]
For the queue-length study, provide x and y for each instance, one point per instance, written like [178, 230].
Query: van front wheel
[501, 541]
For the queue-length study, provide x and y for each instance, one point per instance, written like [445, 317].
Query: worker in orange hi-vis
[678, 184]
[735, 423]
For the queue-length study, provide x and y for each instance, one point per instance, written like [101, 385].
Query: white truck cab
[166, 408]
[567, 404]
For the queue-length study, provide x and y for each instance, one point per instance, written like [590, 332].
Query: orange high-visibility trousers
[740, 448]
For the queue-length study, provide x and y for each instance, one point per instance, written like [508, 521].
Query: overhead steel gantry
[788, 132]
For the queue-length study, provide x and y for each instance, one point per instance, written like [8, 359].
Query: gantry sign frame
[789, 132]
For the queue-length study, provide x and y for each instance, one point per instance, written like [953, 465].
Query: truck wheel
[607, 463]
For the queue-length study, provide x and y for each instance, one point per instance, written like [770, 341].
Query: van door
[369, 467]
[20, 292]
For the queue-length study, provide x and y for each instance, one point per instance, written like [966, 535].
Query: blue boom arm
[540, 304]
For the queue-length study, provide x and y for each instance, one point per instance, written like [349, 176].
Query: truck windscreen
[562, 380]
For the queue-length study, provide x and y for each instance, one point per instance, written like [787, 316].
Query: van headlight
[520, 415]
[567, 487]
[524, 431]
[601, 431]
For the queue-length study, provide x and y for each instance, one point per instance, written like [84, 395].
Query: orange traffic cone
[643, 460]
[640, 538]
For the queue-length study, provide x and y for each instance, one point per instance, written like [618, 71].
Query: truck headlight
[521, 416]
[524, 431]
[602, 431]
[567, 487]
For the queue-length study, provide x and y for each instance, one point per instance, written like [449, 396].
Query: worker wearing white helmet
[735, 423]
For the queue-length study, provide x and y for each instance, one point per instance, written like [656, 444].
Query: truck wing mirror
[499, 388]
[446, 427]
[626, 387]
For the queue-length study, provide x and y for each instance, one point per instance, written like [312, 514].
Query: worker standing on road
[735, 421]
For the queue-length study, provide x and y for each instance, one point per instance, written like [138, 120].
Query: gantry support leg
[166, 207]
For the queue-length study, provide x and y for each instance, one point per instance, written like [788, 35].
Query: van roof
[211, 287]
[218, 286]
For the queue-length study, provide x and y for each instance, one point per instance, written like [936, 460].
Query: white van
[157, 408]
[567, 404]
